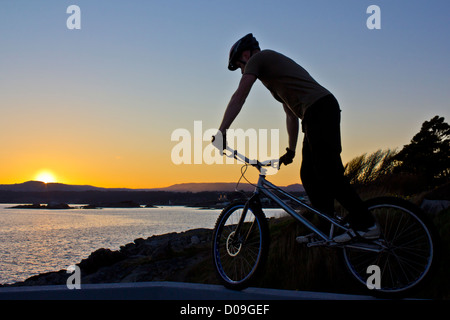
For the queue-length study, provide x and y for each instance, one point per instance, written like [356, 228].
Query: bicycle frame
[265, 187]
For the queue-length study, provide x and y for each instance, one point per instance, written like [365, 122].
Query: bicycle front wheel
[407, 253]
[240, 253]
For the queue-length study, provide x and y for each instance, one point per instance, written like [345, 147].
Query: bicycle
[405, 251]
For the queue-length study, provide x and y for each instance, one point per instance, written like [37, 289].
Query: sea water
[34, 241]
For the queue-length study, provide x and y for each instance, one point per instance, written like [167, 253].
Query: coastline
[166, 257]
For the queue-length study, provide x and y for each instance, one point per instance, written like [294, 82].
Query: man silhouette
[322, 171]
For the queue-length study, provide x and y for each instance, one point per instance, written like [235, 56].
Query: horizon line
[145, 188]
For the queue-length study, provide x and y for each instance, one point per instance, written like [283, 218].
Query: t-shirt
[288, 82]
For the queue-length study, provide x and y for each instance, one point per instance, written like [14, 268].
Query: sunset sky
[98, 105]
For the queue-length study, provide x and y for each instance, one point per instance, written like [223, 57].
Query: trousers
[322, 171]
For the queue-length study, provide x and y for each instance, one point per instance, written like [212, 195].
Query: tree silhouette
[428, 154]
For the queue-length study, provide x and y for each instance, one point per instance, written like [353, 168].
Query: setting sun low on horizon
[45, 176]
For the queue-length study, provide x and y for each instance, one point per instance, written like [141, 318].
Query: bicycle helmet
[247, 42]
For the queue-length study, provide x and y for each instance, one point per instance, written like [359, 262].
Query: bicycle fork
[256, 204]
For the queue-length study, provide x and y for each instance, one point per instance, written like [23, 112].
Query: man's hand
[288, 157]
[220, 141]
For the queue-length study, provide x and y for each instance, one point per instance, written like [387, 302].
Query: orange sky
[98, 105]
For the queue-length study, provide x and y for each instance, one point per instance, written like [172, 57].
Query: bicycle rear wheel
[240, 254]
[408, 249]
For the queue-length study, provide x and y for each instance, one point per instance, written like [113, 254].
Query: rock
[100, 258]
[44, 279]
[120, 204]
[58, 206]
[39, 206]
[195, 240]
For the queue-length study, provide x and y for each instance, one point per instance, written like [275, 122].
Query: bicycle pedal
[311, 240]
[305, 239]
[316, 243]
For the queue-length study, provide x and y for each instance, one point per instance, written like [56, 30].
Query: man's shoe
[369, 234]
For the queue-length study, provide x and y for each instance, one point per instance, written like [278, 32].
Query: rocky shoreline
[168, 257]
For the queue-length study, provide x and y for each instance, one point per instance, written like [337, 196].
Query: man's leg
[319, 197]
[325, 177]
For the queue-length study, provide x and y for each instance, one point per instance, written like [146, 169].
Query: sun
[46, 177]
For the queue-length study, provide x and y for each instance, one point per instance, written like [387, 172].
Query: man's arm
[292, 125]
[237, 101]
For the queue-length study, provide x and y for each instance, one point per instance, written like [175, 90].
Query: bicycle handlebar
[255, 163]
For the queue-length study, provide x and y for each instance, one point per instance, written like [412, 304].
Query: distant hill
[186, 194]
[38, 186]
